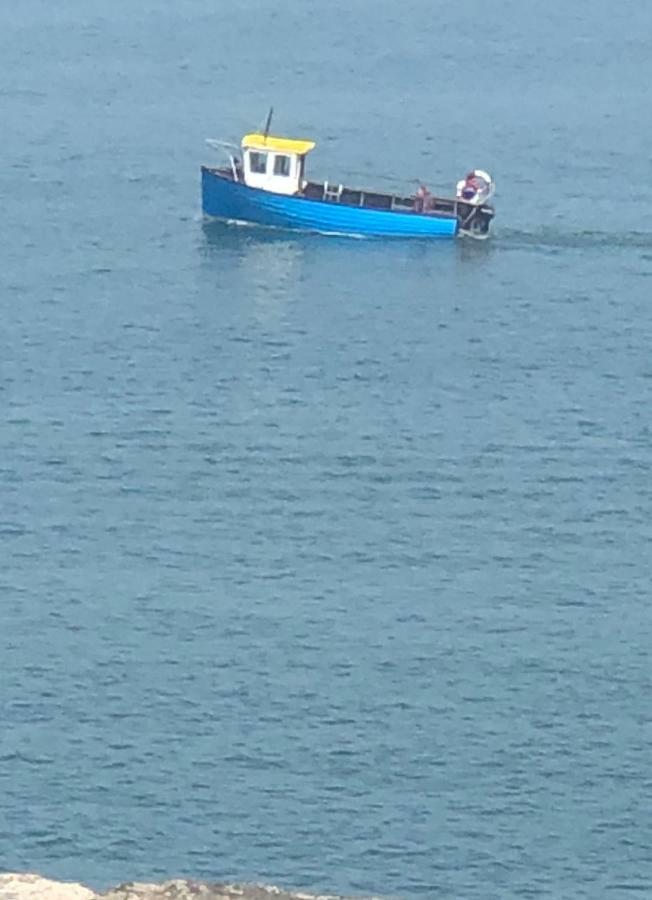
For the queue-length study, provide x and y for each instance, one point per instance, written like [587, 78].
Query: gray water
[327, 562]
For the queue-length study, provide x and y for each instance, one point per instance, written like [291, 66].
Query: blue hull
[223, 198]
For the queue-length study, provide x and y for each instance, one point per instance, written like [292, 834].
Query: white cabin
[274, 164]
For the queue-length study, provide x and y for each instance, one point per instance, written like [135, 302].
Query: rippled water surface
[327, 562]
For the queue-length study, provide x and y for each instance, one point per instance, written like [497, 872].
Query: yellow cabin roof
[277, 144]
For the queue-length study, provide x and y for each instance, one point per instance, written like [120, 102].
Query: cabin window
[282, 165]
[257, 162]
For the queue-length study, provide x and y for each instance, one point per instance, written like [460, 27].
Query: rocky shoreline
[15, 886]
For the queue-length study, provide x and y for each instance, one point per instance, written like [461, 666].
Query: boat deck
[374, 200]
[327, 192]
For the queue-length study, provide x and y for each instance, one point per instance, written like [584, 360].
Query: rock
[33, 887]
[177, 890]
[196, 890]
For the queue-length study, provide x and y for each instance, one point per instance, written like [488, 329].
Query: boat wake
[554, 238]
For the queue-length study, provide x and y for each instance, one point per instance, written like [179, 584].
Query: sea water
[327, 562]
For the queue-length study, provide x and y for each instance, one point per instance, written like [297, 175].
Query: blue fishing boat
[265, 184]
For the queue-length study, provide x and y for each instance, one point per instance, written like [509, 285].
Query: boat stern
[474, 221]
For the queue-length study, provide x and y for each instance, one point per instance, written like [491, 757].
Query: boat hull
[224, 198]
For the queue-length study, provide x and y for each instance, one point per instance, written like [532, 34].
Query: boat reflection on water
[271, 263]
[260, 263]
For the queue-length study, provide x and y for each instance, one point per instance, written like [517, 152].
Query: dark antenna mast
[268, 122]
